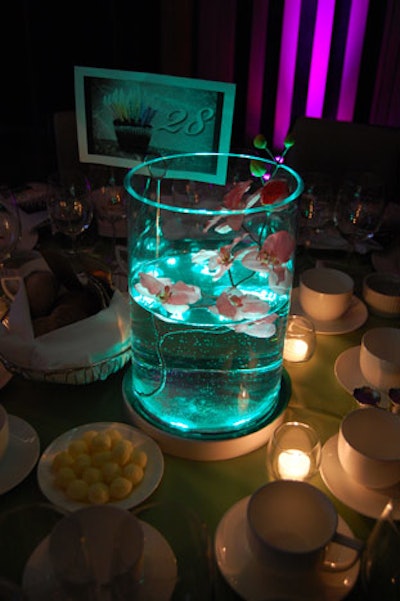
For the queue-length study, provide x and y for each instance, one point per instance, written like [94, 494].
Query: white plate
[21, 454]
[348, 373]
[157, 583]
[347, 370]
[152, 473]
[243, 573]
[354, 317]
[367, 501]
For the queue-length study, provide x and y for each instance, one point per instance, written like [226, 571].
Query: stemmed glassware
[111, 207]
[10, 231]
[70, 207]
[10, 227]
[380, 566]
[359, 209]
[315, 209]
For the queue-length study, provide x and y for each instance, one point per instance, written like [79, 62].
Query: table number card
[124, 116]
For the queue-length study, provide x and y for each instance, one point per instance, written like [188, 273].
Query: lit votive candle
[295, 350]
[299, 343]
[293, 452]
[294, 464]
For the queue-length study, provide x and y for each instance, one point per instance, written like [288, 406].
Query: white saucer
[21, 454]
[348, 373]
[347, 370]
[367, 501]
[243, 573]
[354, 317]
[152, 474]
[157, 582]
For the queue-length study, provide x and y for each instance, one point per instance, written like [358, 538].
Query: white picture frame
[124, 117]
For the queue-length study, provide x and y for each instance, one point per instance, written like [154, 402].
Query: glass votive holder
[300, 339]
[293, 452]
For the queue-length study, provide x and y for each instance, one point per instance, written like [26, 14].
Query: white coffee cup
[325, 294]
[380, 357]
[290, 525]
[4, 431]
[369, 447]
[97, 546]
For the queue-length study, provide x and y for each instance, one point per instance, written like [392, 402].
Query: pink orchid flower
[260, 328]
[273, 255]
[219, 261]
[233, 200]
[175, 298]
[235, 305]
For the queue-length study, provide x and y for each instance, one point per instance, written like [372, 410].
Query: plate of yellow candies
[100, 463]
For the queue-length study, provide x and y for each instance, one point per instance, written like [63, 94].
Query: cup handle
[10, 285]
[355, 544]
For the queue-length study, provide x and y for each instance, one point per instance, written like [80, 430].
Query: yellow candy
[64, 476]
[88, 436]
[110, 470]
[76, 447]
[133, 472]
[101, 442]
[139, 457]
[81, 462]
[114, 434]
[91, 475]
[98, 459]
[77, 490]
[98, 493]
[62, 459]
[120, 487]
[99, 466]
[122, 451]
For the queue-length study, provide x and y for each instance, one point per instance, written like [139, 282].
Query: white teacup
[380, 357]
[94, 548]
[290, 525]
[325, 294]
[4, 431]
[369, 447]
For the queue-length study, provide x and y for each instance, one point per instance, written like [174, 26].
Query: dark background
[41, 42]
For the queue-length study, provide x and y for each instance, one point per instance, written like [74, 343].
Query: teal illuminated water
[192, 372]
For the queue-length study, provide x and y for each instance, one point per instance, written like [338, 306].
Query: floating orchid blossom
[232, 201]
[175, 298]
[235, 305]
[260, 328]
[219, 261]
[273, 255]
[274, 191]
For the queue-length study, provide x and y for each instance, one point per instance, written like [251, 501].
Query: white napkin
[82, 343]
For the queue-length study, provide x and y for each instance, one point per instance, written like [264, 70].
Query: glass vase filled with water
[211, 258]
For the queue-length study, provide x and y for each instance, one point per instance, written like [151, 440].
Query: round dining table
[193, 496]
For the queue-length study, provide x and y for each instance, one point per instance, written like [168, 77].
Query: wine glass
[112, 209]
[380, 565]
[70, 207]
[359, 209]
[315, 209]
[10, 227]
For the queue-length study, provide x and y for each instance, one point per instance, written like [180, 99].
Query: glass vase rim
[138, 170]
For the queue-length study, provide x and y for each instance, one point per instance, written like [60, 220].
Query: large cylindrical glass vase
[211, 258]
